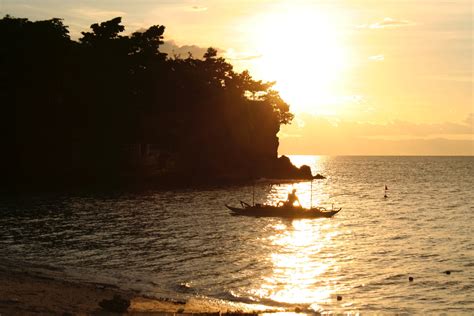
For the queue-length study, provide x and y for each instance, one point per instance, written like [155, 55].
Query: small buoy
[447, 272]
[410, 279]
[339, 298]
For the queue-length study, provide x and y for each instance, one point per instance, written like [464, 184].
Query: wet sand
[27, 293]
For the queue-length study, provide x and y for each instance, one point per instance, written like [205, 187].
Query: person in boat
[292, 198]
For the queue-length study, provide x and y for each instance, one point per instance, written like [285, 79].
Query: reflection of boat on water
[263, 210]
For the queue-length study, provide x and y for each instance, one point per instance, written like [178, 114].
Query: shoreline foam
[27, 292]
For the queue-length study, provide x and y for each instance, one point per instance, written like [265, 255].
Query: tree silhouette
[103, 32]
[92, 109]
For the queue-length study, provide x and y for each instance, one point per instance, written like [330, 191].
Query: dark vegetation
[110, 108]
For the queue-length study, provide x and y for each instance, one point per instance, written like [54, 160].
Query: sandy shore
[28, 293]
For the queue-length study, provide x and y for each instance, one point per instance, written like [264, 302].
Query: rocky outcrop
[283, 169]
[319, 176]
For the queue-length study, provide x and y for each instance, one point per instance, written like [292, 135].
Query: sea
[185, 244]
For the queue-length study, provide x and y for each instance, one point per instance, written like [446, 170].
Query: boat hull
[285, 212]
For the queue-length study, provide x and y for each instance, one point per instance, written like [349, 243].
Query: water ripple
[185, 243]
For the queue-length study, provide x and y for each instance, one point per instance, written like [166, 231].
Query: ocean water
[184, 243]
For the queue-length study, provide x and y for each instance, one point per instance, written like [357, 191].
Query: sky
[363, 77]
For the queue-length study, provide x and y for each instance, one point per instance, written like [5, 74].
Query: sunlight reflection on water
[295, 272]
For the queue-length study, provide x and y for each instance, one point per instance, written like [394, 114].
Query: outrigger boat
[284, 210]
[263, 210]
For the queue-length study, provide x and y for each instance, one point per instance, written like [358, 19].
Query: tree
[105, 31]
[148, 43]
[75, 105]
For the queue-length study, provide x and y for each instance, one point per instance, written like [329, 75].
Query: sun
[303, 53]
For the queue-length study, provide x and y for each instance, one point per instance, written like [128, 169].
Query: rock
[282, 168]
[116, 305]
[305, 172]
[319, 176]
[297, 310]
[410, 279]
[447, 272]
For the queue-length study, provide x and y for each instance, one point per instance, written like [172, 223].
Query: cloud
[319, 135]
[196, 8]
[231, 54]
[377, 58]
[470, 121]
[97, 14]
[171, 48]
[387, 23]
[451, 77]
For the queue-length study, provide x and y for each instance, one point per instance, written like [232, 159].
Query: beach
[24, 292]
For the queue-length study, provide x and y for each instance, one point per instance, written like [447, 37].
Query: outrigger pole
[253, 193]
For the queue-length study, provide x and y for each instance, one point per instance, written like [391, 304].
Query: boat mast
[253, 194]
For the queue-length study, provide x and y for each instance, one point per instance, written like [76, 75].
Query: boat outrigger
[263, 210]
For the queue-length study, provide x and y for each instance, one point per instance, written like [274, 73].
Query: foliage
[72, 106]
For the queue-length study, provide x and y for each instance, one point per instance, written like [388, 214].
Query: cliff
[112, 109]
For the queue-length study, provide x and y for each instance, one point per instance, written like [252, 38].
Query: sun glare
[302, 51]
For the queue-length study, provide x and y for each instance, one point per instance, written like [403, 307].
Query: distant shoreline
[280, 170]
[132, 185]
